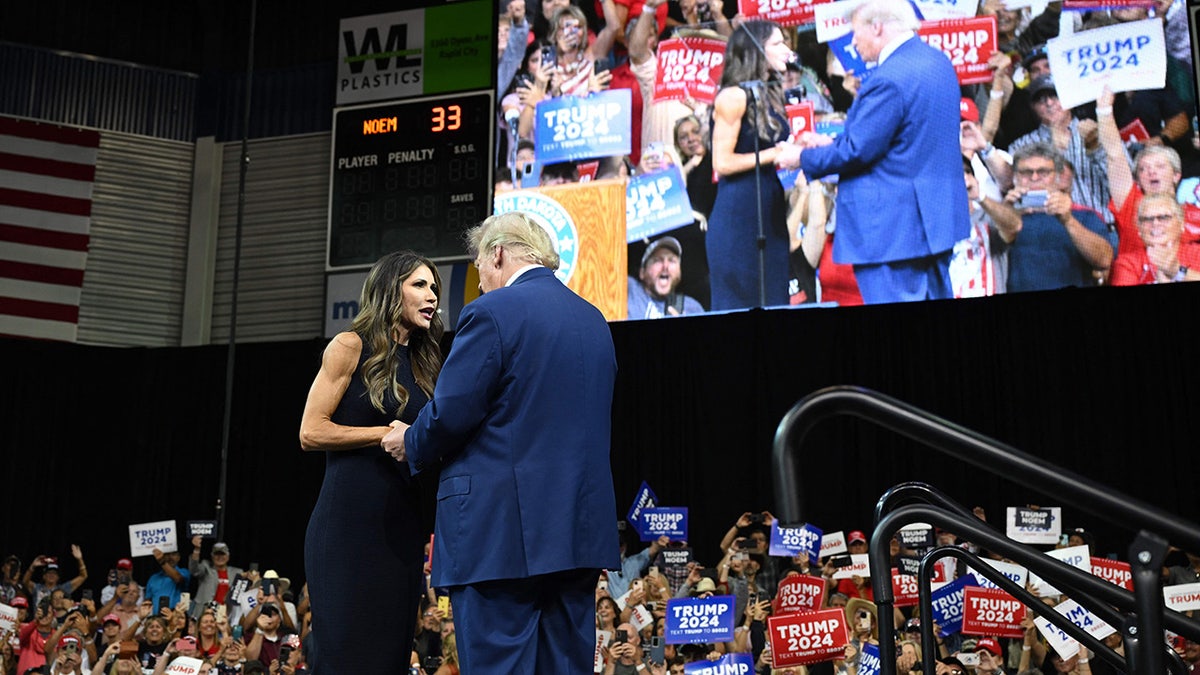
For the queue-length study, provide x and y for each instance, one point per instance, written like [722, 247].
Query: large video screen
[794, 153]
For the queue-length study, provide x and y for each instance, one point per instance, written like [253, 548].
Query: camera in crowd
[1034, 199]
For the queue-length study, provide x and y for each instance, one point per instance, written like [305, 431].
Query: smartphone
[270, 586]
[164, 602]
[602, 584]
[253, 567]
[236, 633]
[657, 649]
[756, 518]
[549, 56]
[601, 64]
[128, 649]
[752, 598]
[654, 569]
[1034, 199]
[284, 652]
[87, 594]
[842, 561]
[703, 11]
[222, 613]
[186, 599]
[747, 545]
[622, 636]
[971, 660]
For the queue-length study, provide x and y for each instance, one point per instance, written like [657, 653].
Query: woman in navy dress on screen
[756, 58]
[363, 551]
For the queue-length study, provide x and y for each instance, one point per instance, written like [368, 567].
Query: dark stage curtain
[1099, 381]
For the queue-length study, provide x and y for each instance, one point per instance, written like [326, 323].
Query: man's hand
[393, 442]
[76, 552]
[1089, 131]
[1058, 204]
[789, 155]
[970, 137]
[516, 11]
[810, 139]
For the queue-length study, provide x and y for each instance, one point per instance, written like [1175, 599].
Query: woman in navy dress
[756, 52]
[363, 551]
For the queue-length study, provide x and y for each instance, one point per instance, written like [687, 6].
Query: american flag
[46, 175]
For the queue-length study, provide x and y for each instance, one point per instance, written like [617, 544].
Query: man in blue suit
[901, 200]
[519, 425]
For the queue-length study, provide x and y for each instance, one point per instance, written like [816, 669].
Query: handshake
[789, 151]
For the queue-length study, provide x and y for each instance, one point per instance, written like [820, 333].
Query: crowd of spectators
[236, 621]
[1082, 226]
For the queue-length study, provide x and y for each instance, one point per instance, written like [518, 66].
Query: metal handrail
[991, 455]
[1045, 566]
[965, 445]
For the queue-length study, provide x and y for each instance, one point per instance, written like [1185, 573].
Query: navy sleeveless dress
[733, 229]
[363, 552]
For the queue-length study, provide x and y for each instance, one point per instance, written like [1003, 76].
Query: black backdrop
[1100, 381]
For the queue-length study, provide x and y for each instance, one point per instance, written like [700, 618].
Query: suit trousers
[912, 280]
[539, 624]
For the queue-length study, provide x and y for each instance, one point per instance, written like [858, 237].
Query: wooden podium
[597, 209]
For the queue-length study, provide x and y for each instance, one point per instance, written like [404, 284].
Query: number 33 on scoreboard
[446, 118]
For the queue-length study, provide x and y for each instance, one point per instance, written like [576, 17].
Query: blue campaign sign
[671, 521]
[868, 661]
[947, 605]
[656, 202]
[700, 620]
[848, 56]
[793, 541]
[568, 128]
[645, 499]
[730, 664]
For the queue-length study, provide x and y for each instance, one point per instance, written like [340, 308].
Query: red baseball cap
[19, 601]
[968, 110]
[111, 618]
[856, 535]
[124, 564]
[989, 645]
[68, 639]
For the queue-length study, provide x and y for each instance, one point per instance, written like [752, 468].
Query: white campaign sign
[640, 617]
[934, 10]
[8, 619]
[860, 566]
[1182, 597]
[1064, 644]
[185, 665]
[1017, 573]
[834, 542]
[602, 638]
[1125, 56]
[1082, 617]
[1075, 556]
[1045, 532]
[833, 19]
[146, 537]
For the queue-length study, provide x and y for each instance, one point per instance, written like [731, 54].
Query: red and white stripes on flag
[46, 176]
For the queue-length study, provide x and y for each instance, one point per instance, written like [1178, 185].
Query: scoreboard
[411, 174]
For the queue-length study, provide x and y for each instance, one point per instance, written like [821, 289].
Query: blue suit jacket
[520, 423]
[901, 193]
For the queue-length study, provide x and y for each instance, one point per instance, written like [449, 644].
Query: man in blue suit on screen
[901, 200]
[519, 425]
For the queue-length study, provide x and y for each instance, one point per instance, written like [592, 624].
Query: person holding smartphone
[170, 581]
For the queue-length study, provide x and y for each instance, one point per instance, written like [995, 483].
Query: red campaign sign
[1113, 571]
[800, 118]
[991, 611]
[1135, 132]
[800, 639]
[1191, 222]
[689, 68]
[968, 43]
[782, 12]
[904, 587]
[799, 593]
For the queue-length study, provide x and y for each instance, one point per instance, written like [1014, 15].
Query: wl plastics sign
[416, 52]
